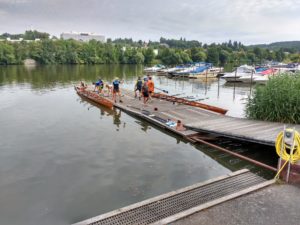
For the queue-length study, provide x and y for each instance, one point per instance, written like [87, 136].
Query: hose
[293, 155]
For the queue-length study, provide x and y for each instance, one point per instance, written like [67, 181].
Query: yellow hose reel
[285, 141]
[288, 147]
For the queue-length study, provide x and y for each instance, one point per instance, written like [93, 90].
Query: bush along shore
[277, 101]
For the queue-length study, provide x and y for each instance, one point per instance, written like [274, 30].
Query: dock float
[197, 119]
[255, 131]
[174, 205]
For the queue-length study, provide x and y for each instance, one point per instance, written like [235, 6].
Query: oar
[177, 94]
[162, 90]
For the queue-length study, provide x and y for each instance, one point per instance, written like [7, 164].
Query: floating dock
[175, 205]
[199, 120]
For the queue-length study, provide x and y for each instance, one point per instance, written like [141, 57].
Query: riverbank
[273, 205]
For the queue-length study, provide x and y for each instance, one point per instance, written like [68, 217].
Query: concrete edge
[158, 198]
[213, 203]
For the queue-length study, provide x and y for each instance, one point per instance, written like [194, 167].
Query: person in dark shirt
[145, 91]
[116, 90]
[138, 87]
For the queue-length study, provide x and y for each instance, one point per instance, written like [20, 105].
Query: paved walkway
[274, 205]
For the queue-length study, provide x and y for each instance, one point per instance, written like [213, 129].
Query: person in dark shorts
[145, 91]
[116, 89]
[138, 87]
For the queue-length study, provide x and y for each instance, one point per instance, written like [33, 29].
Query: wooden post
[235, 74]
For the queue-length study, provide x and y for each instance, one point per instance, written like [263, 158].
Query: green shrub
[278, 100]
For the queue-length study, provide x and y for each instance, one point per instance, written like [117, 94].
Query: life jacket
[151, 85]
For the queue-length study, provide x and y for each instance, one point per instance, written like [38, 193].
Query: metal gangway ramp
[174, 205]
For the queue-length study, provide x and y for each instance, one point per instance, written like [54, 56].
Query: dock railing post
[251, 81]
[206, 73]
[235, 74]
[218, 87]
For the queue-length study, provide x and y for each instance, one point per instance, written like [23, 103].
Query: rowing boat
[94, 97]
[191, 103]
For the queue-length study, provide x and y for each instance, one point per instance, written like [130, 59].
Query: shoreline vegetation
[39, 47]
[277, 101]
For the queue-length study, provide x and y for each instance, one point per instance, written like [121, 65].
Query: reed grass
[278, 100]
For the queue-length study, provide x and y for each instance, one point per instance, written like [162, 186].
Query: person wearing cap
[116, 90]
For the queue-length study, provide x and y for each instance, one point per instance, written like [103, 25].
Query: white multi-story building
[82, 36]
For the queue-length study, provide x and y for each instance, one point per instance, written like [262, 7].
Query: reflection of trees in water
[44, 77]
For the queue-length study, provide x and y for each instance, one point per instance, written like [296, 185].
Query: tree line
[127, 51]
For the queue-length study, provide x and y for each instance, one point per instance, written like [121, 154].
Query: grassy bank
[278, 100]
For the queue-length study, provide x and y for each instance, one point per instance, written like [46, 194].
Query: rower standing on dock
[145, 91]
[138, 87]
[116, 90]
[150, 87]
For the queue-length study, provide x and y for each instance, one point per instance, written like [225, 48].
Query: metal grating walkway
[166, 205]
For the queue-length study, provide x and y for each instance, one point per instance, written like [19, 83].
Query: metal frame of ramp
[168, 207]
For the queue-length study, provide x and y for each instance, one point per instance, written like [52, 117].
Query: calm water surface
[63, 159]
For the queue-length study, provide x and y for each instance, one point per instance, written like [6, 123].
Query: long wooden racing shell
[188, 102]
[94, 97]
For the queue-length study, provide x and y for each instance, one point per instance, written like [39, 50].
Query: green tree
[198, 55]
[213, 55]
[34, 34]
[6, 54]
[224, 57]
[149, 55]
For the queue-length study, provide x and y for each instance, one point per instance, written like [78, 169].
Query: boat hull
[191, 103]
[232, 79]
[94, 97]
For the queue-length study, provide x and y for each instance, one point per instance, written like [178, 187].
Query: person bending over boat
[145, 91]
[138, 87]
[99, 85]
[116, 89]
[150, 87]
[82, 86]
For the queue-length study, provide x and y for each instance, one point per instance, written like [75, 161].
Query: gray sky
[248, 21]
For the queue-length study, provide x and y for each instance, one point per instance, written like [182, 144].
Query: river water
[63, 159]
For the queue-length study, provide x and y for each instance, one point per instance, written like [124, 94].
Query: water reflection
[42, 77]
[64, 159]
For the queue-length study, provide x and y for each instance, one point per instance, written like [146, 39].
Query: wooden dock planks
[248, 130]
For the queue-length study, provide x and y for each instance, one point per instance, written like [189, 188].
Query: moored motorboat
[208, 73]
[262, 79]
[241, 71]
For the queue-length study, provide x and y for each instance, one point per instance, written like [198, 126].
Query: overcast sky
[248, 21]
